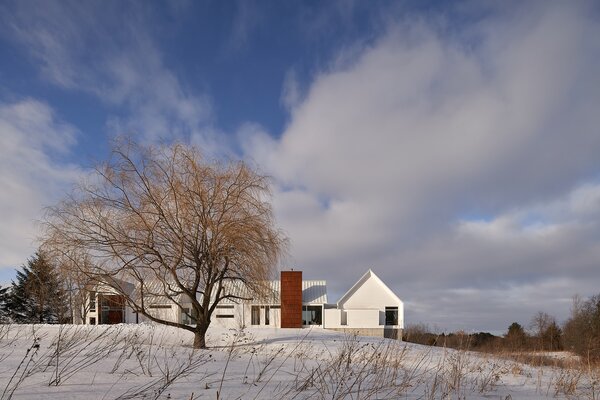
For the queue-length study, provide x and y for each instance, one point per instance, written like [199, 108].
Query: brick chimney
[291, 299]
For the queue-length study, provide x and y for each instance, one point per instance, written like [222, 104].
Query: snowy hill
[157, 362]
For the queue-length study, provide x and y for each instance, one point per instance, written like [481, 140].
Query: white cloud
[106, 49]
[390, 147]
[30, 134]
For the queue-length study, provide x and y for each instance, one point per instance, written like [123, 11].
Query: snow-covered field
[157, 362]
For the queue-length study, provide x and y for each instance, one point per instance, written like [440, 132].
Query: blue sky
[452, 148]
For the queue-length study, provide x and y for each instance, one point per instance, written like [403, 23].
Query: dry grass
[353, 368]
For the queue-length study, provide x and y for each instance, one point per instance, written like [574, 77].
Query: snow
[157, 362]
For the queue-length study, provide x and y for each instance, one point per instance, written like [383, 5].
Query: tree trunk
[200, 337]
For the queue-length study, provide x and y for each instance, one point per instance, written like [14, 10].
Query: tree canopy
[175, 225]
[37, 295]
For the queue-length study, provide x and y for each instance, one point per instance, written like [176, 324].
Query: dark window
[186, 317]
[92, 301]
[275, 307]
[159, 306]
[267, 315]
[391, 315]
[255, 317]
[226, 306]
[224, 316]
[112, 309]
[312, 315]
[92, 320]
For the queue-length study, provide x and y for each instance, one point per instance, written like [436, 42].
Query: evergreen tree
[3, 305]
[515, 336]
[37, 296]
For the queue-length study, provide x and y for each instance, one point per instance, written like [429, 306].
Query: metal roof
[313, 292]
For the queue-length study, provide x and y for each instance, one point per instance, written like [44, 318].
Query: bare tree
[73, 267]
[546, 331]
[582, 329]
[177, 227]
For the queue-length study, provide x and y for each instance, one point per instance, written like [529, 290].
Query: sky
[453, 148]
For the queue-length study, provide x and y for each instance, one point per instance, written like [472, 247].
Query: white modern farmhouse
[369, 308]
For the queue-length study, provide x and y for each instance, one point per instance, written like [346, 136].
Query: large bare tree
[176, 226]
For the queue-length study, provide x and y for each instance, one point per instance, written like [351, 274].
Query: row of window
[311, 315]
[255, 315]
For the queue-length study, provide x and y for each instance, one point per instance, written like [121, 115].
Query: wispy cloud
[31, 178]
[247, 19]
[107, 50]
[291, 94]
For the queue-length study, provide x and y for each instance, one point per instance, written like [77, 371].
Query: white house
[267, 311]
[106, 306]
[369, 308]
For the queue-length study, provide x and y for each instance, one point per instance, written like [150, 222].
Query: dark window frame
[391, 316]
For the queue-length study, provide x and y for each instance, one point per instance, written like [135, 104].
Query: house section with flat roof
[368, 308]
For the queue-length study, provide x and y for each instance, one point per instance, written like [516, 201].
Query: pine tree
[515, 336]
[3, 305]
[37, 296]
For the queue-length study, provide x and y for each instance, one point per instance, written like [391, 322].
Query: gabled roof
[366, 276]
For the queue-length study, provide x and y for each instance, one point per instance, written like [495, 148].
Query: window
[255, 317]
[187, 317]
[267, 310]
[93, 302]
[165, 306]
[93, 321]
[312, 315]
[226, 306]
[224, 315]
[391, 315]
[112, 308]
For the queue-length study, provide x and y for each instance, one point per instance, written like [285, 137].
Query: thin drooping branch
[175, 226]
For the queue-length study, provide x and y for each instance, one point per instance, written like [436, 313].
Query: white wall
[232, 323]
[365, 306]
[363, 318]
[370, 295]
[170, 314]
[332, 318]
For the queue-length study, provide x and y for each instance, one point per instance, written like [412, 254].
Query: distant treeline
[579, 334]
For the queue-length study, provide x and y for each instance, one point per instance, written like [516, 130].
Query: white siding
[332, 318]
[366, 301]
[369, 295]
[363, 318]
[170, 314]
[233, 323]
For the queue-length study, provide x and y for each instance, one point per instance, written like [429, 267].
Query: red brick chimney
[291, 299]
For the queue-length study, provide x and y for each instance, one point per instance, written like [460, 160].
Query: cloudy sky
[454, 149]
